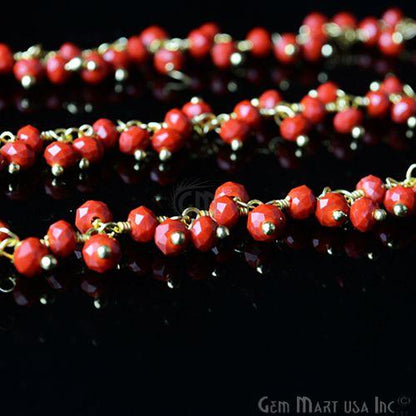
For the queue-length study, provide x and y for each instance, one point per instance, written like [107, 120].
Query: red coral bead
[203, 233]
[293, 127]
[370, 31]
[134, 138]
[327, 92]
[221, 54]
[246, 112]
[60, 154]
[116, 58]
[269, 99]
[265, 222]
[177, 120]
[362, 214]
[378, 103]
[19, 153]
[315, 22]
[199, 44]
[171, 237]
[210, 29]
[55, 69]
[233, 190]
[403, 109]
[61, 238]
[106, 132]
[88, 148]
[286, 48]
[143, 224]
[95, 70]
[28, 256]
[313, 109]
[312, 48]
[195, 108]
[168, 139]
[373, 188]
[90, 211]
[331, 210]
[101, 253]
[136, 49]
[260, 40]
[6, 59]
[31, 136]
[345, 20]
[389, 44]
[153, 33]
[392, 16]
[224, 211]
[69, 51]
[166, 61]
[28, 67]
[391, 85]
[302, 202]
[234, 129]
[347, 119]
[400, 201]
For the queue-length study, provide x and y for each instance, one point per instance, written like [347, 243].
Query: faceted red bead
[164, 237]
[132, 139]
[96, 74]
[373, 188]
[88, 148]
[260, 216]
[345, 20]
[199, 44]
[55, 69]
[203, 233]
[327, 208]
[19, 153]
[96, 261]
[388, 43]
[312, 48]
[233, 190]
[69, 51]
[246, 112]
[370, 30]
[31, 136]
[302, 202]
[362, 214]
[143, 224]
[221, 54]
[403, 109]
[28, 67]
[210, 29]
[286, 48]
[260, 40]
[313, 109]
[166, 61]
[116, 58]
[269, 99]
[153, 33]
[400, 195]
[106, 132]
[168, 139]
[136, 49]
[90, 211]
[177, 120]
[293, 127]
[327, 92]
[3, 236]
[60, 154]
[392, 16]
[346, 120]
[61, 238]
[224, 211]
[195, 108]
[379, 103]
[234, 129]
[28, 255]
[6, 59]
[391, 85]
[315, 22]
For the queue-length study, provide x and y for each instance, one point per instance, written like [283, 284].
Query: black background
[330, 327]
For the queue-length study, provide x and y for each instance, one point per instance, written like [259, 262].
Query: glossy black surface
[206, 334]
